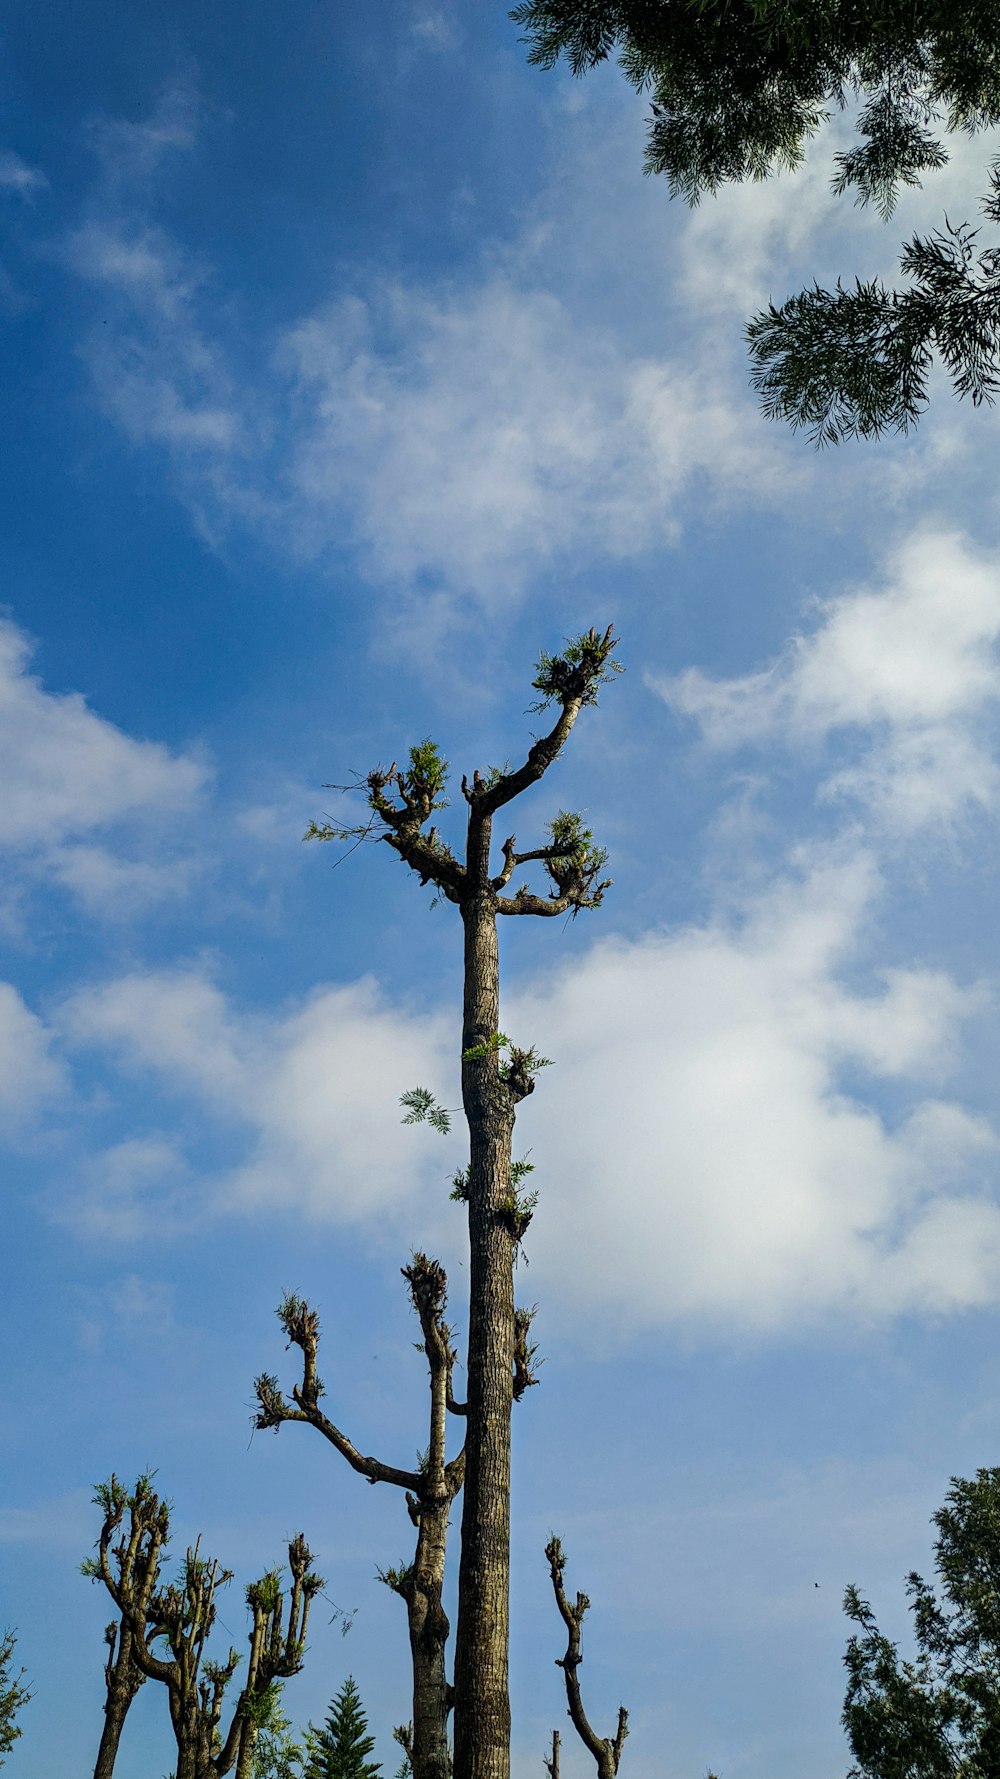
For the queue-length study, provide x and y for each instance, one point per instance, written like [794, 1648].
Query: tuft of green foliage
[585, 665]
[496, 1041]
[403, 1734]
[521, 1063]
[265, 1593]
[578, 859]
[524, 1064]
[276, 1754]
[422, 1107]
[400, 1577]
[428, 774]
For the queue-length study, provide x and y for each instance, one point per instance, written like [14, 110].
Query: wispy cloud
[462, 435]
[156, 374]
[17, 176]
[132, 149]
[460, 438]
[435, 27]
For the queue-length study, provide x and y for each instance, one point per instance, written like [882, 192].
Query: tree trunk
[482, 1703]
[115, 1712]
[187, 1762]
[248, 1742]
[429, 1629]
[123, 1682]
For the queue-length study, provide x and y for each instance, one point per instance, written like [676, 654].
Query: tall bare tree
[429, 1490]
[496, 1077]
[606, 1750]
[182, 1615]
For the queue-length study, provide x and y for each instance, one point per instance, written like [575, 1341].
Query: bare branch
[513, 860]
[526, 903]
[606, 1751]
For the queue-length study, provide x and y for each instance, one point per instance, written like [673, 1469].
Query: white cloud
[700, 1157]
[68, 769]
[702, 1161]
[126, 1191]
[461, 438]
[912, 661]
[315, 1089]
[30, 1076]
[70, 774]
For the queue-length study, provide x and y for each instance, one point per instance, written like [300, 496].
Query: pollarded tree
[137, 1559]
[496, 1076]
[938, 1716]
[340, 1749]
[182, 1616]
[738, 87]
[277, 1647]
[429, 1490]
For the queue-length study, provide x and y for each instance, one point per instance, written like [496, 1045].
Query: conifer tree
[341, 1748]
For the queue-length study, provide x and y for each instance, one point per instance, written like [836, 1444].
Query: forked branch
[570, 680]
[301, 1325]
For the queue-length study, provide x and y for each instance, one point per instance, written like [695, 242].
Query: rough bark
[123, 1680]
[482, 1717]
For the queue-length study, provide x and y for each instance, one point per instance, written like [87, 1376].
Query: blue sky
[348, 363]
